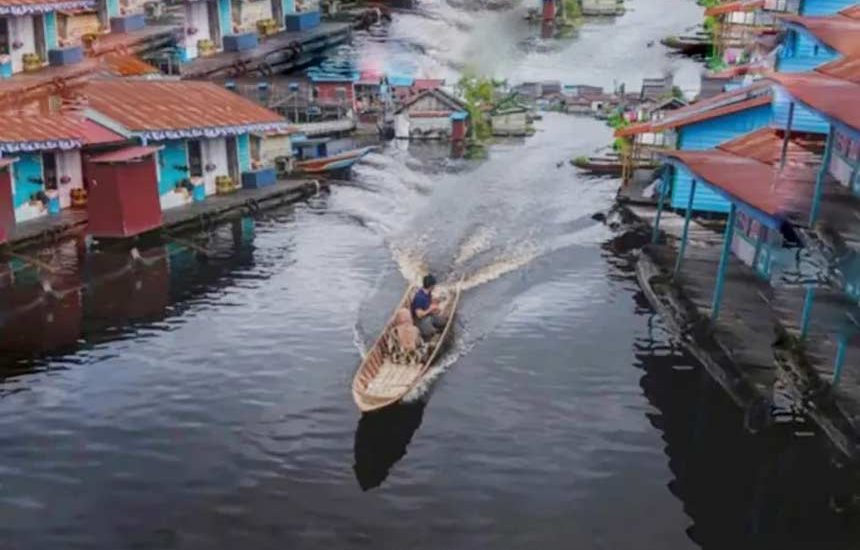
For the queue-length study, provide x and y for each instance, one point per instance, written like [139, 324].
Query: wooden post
[724, 262]
[787, 135]
[839, 363]
[684, 235]
[807, 310]
[821, 176]
[664, 185]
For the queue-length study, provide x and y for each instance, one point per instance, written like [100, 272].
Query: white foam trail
[501, 267]
[478, 242]
[461, 346]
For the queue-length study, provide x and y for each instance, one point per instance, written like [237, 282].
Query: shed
[123, 200]
[431, 114]
[510, 118]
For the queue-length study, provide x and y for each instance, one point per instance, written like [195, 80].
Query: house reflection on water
[68, 299]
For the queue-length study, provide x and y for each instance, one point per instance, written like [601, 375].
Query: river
[199, 398]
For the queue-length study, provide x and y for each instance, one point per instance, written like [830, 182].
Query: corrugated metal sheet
[830, 96]
[765, 145]
[126, 154]
[729, 7]
[174, 105]
[706, 198]
[802, 52]
[710, 133]
[845, 69]
[20, 128]
[803, 120]
[96, 134]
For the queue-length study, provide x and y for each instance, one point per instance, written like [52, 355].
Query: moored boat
[334, 163]
[387, 374]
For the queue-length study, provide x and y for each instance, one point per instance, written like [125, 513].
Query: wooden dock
[753, 348]
[281, 52]
[70, 222]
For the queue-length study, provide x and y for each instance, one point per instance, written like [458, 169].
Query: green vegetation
[479, 94]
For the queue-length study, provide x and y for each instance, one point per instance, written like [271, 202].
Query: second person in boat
[426, 309]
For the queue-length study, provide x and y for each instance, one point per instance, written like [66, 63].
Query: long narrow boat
[342, 161]
[383, 379]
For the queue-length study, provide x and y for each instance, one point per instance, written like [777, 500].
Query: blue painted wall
[243, 146]
[804, 120]
[112, 8]
[50, 20]
[289, 7]
[28, 167]
[824, 7]
[170, 160]
[801, 52]
[225, 17]
[707, 135]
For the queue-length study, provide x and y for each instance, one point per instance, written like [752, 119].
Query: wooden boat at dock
[609, 165]
[695, 45]
[334, 163]
[386, 375]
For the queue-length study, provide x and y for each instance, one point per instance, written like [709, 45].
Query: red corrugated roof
[838, 99]
[765, 145]
[852, 11]
[19, 128]
[845, 69]
[95, 134]
[837, 31]
[755, 183]
[162, 105]
[6, 161]
[126, 154]
[729, 7]
[634, 129]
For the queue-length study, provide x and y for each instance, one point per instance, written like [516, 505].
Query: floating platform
[279, 53]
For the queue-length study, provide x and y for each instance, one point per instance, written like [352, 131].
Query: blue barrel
[54, 206]
[199, 193]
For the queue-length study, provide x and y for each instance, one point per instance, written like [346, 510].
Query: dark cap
[429, 280]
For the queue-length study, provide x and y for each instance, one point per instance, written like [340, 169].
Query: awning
[125, 155]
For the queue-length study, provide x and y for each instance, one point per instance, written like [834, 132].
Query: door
[198, 17]
[21, 31]
[5, 42]
[41, 43]
[195, 159]
[214, 21]
[278, 12]
[214, 162]
[233, 159]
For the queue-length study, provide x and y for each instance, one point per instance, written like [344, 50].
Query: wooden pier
[752, 346]
[281, 52]
[69, 222]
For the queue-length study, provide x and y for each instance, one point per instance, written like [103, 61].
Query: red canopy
[125, 155]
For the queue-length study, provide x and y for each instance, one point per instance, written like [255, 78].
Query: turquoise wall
[824, 7]
[289, 7]
[28, 167]
[170, 160]
[112, 8]
[707, 135]
[50, 20]
[802, 52]
[243, 146]
[225, 17]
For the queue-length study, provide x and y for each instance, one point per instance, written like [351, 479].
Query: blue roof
[459, 115]
[401, 80]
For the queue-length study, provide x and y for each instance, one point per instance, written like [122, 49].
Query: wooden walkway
[276, 51]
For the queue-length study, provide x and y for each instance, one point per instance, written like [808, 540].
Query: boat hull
[343, 161]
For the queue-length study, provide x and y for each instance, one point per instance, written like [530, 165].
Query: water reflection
[69, 298]
[381, 439]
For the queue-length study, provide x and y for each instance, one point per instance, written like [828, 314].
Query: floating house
[510, 118]
[431, 114]
[47, 169]
[704, 125]
[202, 133]
[814, 41]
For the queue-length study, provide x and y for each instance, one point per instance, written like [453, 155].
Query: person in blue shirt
[426, 310]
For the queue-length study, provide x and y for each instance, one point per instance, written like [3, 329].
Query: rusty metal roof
[6, 161]
[36, 132]
[778, 194]
[846, 69]
[852, 11]
[93, 133]
[729, 7]
[126, 154]
[835, 98]
[840, 32]
[765, 145]
[154, 106]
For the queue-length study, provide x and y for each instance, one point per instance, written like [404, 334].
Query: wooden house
[510, 118]
[431, 114]
[823, 7]
[812, 41]
[202, 131]
[702, 126]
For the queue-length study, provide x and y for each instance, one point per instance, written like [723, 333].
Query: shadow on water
[381, 439]
[740, 490]
[79, 300]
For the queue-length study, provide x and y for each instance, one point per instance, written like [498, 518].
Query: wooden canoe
[342, 161]
[382, 380]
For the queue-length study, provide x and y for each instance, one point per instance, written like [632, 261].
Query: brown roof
[170, 105]
[719, 105]
[837, 99]
[852, 11]
[765, 145]
[30, 128]
[760, 185]
[837, 31]
[126, 154]
[846, 69]
[729, 7]
[93, 133]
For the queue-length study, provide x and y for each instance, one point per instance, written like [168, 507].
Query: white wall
[251, 11]
[197, 16]
[69, 164]
[214, 152]
[21, 29]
